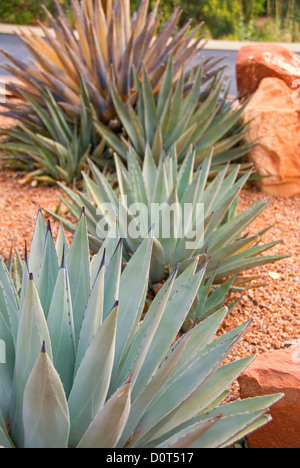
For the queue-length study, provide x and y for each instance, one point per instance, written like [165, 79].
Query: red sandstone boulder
[256, 62]
[274, 110]
[269, 373]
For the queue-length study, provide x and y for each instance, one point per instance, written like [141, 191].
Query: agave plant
[184, 115]
[192, 207]
[105, 45]
[82, 370]
[49, 145]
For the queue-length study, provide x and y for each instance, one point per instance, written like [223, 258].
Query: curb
[15, 28]
[210, 45]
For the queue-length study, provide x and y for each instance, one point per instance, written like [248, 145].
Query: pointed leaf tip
[63, 260]
[128, 381]
[31, 276]
[43, 348]
[103, 260]
[26, 253]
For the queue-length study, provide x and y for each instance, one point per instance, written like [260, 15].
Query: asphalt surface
[12, 45]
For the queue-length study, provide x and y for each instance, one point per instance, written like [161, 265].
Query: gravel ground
[275, 308]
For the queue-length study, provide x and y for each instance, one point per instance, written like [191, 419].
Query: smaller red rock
[256, 62]
[276, 372]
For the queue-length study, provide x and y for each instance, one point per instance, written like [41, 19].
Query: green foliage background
[231, 19]
[26, 11]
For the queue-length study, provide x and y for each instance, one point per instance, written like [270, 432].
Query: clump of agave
[49, 145]
[198, 209]
[82, 369]
[103, 47]
[188, 114]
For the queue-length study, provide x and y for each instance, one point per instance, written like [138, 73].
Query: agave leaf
[258, 423]
[171, 211]
[149, 391]
[125, 116]
[48, 273]
[185, 174]
[186, 382]
[151, 118]
[112, 139]
[165, 88]
[186, 437]
[231, 231]
[161, 191]
[142, 341]
[136, 179]
[106, 251]
[5, 440]
[33, 331]
[216, 300]
[9, 301]
[202, 399]
[37, 245]
[108, 425]
[61, 328]
[93, 316]
[220, 128]
[107, 192]
[112, 279]
[6, 368]
[134, 277]
[92, 379]
[236, 419]
[78, 265]
[18, 272]
[247, 264]
[45, 409]
[172, 319]
[61, 245]
[202, 335]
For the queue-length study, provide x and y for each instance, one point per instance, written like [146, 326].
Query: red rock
[256, 62]
[276, 372]
[275, 110]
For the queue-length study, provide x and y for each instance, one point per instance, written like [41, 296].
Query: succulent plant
[198, 209]
[187, 114]
[83, 370]
[48, 145]
[107, 45]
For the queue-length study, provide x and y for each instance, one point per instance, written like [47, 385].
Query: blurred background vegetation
[257, 20]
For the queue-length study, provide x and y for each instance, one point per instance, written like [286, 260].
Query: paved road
[11, 44]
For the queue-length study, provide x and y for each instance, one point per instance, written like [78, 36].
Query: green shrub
[26, 12]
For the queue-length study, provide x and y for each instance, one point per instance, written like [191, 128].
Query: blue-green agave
[83, 369]
[47, 144]
[188, 114]
[223, 239]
